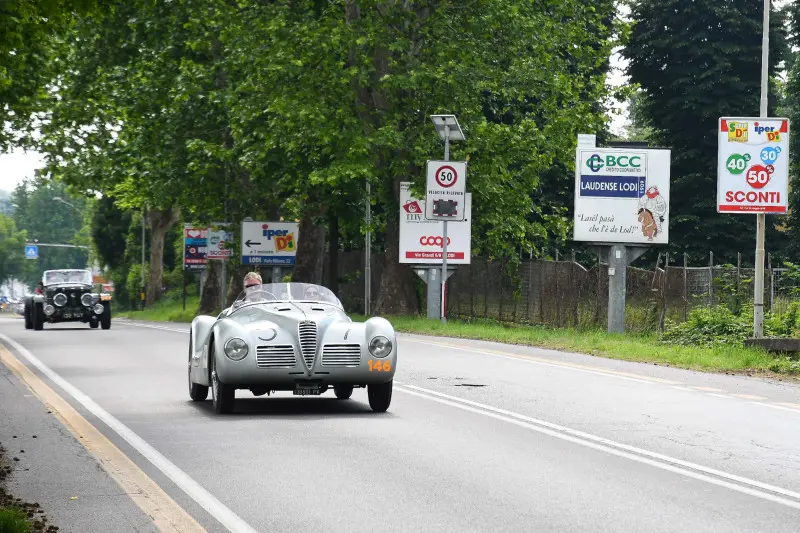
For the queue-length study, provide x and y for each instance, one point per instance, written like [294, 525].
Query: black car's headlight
[236, 349]
[60, 299]
[380, 346]
[87, 299]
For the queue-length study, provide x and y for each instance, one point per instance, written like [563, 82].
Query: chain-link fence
[566, 293]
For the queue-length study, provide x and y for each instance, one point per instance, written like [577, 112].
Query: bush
[13, 520]
[710, 326]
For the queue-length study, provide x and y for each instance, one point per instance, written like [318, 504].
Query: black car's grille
[307, 331]
[275, 356]
[343, 355]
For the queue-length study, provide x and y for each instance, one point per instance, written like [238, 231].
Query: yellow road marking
[707, 389]
[749, 397]
[166, 514]
[550, 362]
[789, 405]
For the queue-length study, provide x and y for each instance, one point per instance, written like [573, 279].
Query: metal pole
[758, 300]
[444, 233]
[143, 231]
[368, 254]
[224, 273]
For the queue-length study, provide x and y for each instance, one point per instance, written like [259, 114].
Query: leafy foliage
[695, 62]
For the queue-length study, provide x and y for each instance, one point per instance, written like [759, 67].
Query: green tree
[695, 62]
[12, 250]
[51, 222]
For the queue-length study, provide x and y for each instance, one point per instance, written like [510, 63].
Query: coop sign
[621, 196]
[753, 165]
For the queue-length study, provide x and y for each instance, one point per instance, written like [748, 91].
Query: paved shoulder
[52, 468]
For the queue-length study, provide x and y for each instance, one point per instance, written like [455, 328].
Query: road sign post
[622, 206]
[445, 195]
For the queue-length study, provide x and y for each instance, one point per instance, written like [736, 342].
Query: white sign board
[421, 239]
[445, 190]
[622, 195]
[753, 165]
[269, 243]
[220, 242]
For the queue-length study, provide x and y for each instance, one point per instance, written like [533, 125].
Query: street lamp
[59, 199]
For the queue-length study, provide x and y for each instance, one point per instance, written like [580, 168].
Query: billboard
[421, 239]
[269, 243]
[753, 165]
[195, 247]
[621, 195]
[220, 242]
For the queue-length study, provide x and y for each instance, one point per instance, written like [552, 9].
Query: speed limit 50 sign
[753, 165]
[445, 191]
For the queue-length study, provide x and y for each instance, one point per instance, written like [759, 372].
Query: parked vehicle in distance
[67, 296]
[290, 337]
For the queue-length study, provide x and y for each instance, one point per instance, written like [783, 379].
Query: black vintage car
[67, 296]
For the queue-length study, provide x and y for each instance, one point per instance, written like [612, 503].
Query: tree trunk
[236, 281]
[160, 223]
[210, 296]
[310, 251]
[333, 253]
[396, 295]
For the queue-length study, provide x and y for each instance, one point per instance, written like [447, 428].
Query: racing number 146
[380, 366]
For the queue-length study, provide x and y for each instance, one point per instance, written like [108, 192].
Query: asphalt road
[479, 437]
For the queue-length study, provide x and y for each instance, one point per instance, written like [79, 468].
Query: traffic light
[445, 208]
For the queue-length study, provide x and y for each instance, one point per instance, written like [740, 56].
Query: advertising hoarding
[621, 195]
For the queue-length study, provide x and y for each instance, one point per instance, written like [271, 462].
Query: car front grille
[275, 356]
[341, 355]
[307, 332]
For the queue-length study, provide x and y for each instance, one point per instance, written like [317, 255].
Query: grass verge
[169, 309]
[14, 520]
[629, 347]
[640, 348]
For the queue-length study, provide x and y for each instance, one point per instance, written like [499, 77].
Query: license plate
[307, 390]
[67, 315]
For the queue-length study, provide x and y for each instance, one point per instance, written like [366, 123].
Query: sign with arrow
[269, 243]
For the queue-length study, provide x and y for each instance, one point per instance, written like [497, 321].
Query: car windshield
[54, 277]
[287, 292]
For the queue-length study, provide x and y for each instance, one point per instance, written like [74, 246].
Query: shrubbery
[719, 325]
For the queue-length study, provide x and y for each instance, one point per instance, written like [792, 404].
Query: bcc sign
[445, 191]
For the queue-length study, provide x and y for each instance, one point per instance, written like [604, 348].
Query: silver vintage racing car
[290, 337]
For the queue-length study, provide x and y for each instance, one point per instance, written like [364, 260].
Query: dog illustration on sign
[652, 208]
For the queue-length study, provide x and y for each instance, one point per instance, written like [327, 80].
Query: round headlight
[49, 309]
[236, 349]
[380, 346]
[98, 309]
[60, 299]
[87, 299]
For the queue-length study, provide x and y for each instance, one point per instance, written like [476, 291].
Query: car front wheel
[197, 393]
[222, 395]
[38, 317]
[28, 320]
[105, 318]
[380, 396]
[343, 392]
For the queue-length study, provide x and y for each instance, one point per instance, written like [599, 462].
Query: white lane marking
[657, 460]
[773, 406]
[205, 499]
[526, 359]
[676, 387]
[714, 394]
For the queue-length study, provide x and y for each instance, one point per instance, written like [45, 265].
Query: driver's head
[252, 279]
[312, 293]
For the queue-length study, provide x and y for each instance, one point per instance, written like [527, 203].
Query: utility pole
[144, 217]
[758, 301]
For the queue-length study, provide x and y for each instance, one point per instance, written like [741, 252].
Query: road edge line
[192, 488]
